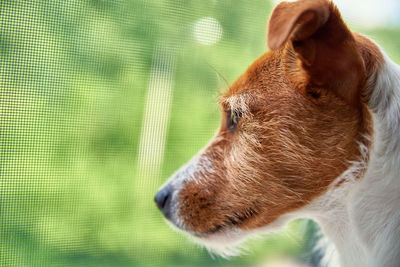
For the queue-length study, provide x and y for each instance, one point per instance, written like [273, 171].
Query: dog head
[292, 123]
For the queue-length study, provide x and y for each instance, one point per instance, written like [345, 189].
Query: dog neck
[362, 216]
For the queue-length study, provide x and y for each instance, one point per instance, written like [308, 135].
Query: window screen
[100, 101]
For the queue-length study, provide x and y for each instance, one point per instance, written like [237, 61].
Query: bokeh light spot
[207, 31]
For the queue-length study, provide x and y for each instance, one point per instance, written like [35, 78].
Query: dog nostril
[162, 197]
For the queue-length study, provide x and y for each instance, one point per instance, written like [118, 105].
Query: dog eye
[232, 119]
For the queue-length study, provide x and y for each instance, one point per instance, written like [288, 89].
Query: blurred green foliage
[73, 87]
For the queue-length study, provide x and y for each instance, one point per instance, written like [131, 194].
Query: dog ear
[323, 44]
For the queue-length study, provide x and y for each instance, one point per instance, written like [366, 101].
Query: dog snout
[163, 200]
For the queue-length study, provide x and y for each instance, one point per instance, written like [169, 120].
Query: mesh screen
[100, 101]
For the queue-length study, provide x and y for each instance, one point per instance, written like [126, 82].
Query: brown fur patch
[373, 60]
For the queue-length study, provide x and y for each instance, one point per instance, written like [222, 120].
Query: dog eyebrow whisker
[237, 103]
[219, 75]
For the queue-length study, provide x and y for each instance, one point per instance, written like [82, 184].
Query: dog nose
[163, 200]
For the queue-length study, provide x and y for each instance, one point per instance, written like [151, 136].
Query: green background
[85, 141]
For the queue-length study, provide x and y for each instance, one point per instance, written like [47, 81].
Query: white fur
[374, 204]
[238, 103]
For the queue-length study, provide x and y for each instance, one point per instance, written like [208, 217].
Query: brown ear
[322, 42]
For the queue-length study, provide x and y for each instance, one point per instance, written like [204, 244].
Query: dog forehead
[256, 74]
[262, 86]
[264, 79]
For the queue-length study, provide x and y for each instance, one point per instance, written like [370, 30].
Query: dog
[310, 130]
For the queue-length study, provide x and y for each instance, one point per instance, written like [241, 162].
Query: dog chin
[225, 242]
[228, 241]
